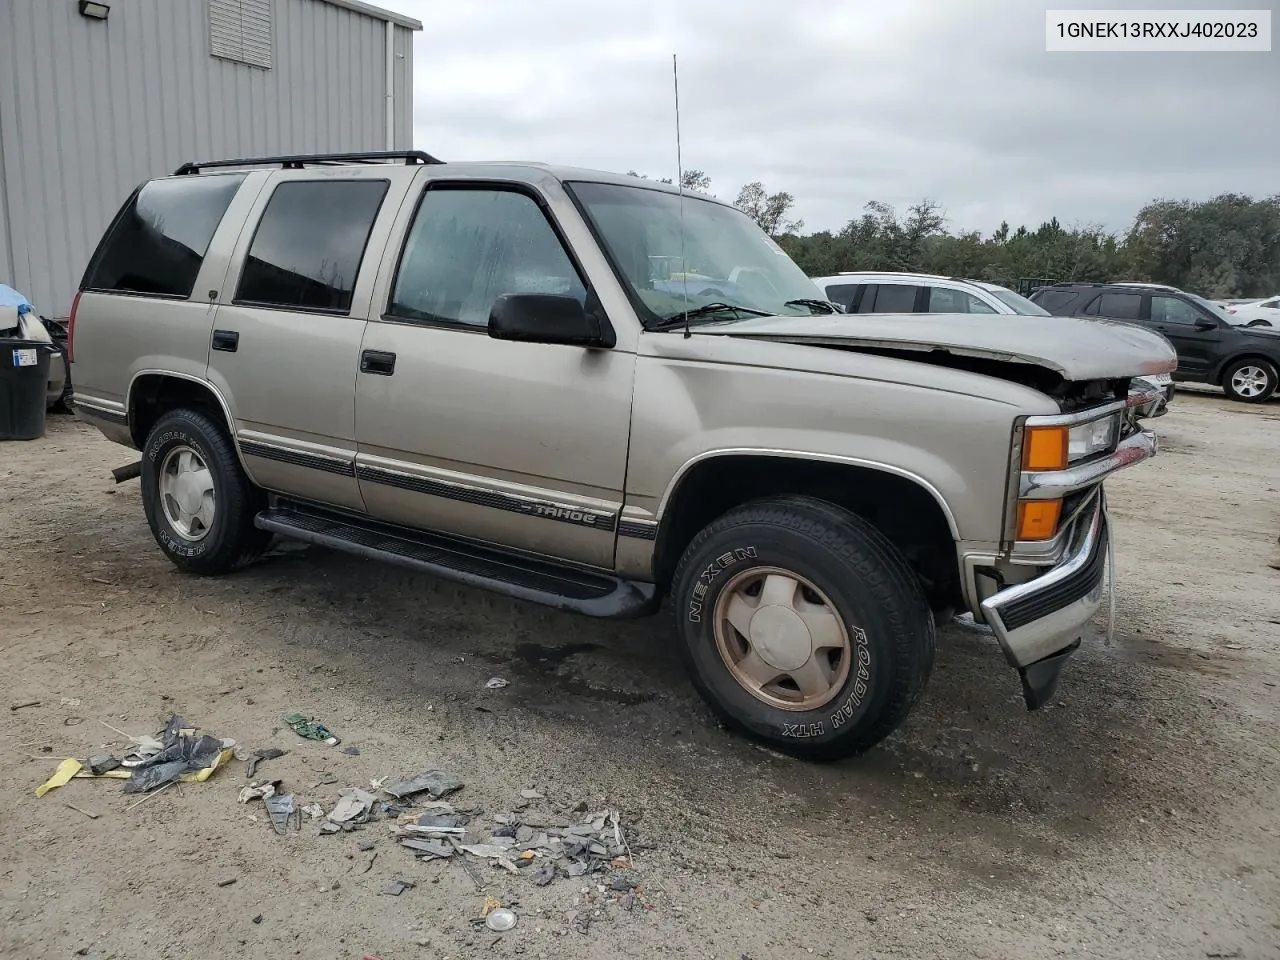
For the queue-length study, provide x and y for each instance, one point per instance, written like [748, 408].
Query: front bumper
[1039, 623]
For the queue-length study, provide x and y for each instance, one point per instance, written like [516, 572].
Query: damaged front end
[1042, 590]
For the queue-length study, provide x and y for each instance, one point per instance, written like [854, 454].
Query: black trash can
[24, 383]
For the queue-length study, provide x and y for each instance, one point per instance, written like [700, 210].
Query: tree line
[1228, 246]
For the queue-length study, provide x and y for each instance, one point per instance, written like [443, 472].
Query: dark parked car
[1242, 360]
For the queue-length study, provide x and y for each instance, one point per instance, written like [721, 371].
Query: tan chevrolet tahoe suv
[491, 372]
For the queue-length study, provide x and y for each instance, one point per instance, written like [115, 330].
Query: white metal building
[96, 97]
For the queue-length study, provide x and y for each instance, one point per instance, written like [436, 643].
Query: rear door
[285, 343]
[144, 302]
[1176, 319]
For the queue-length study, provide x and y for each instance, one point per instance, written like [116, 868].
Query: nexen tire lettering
[713, 570]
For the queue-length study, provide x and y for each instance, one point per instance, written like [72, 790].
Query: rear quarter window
[1056, 301]
[159, 239]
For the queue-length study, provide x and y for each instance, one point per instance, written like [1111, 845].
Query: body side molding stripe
[638, 529]
[532, 506]
[297, 458]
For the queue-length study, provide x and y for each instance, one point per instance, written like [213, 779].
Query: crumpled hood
[1076, 348]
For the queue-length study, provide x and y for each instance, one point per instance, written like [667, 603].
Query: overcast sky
[845, 101]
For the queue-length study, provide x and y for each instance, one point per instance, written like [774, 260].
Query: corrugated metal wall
[89, 109]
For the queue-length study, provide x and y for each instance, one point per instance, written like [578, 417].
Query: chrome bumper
[1045, 616]
[1059, 483]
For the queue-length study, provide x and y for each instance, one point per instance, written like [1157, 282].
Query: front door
[285, 348]
[521, 444]
[1177, 320]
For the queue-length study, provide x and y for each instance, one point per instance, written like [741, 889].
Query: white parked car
[1254, 313]
[888, 292]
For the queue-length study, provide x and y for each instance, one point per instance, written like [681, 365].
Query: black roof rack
[297, 162]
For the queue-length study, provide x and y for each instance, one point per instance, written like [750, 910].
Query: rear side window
[306, 252]
[1119, 306]
[892, 298]
[158, 240]
[946, 300]
[1057, 302]
[843, 294]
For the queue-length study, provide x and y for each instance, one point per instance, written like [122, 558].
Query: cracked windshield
[723, 259]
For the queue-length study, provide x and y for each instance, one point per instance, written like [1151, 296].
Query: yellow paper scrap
[66, 770]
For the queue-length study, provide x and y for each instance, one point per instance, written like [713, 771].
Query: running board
[515, 575]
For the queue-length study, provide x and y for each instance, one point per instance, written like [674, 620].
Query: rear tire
[1250, 380]
[199, 503]
[851, 586]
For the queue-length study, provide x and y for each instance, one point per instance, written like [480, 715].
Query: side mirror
[1206, 325]
[546, 318]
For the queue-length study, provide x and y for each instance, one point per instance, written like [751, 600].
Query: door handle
[226, 340]
[378, 361]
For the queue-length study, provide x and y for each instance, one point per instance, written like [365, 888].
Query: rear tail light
[71, 329]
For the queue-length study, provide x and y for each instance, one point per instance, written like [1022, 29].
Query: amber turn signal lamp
[1045, 448]
[1038, 519]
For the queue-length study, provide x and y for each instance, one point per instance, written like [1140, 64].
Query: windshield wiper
[813, 304]
[678, 319]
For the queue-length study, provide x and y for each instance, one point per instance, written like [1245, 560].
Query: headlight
[1054, 448]
[1090, 439]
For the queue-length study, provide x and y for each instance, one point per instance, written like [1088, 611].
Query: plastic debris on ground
[354, 806]
[153, 762]
[314, 811]
[537, 844]
[501, 920]
[259, 789]
[284, 813]
[181, 752]
[496, 683]
[435, 782]
[251, 765]
[311, 729]
[102, 764]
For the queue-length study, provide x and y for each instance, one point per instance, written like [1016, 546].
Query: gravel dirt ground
[1138, 816]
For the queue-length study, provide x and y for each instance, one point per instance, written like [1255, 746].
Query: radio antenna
[684, 266]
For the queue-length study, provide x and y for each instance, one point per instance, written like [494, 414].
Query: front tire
[199, 503]
[1250, 380]
[803, 626]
